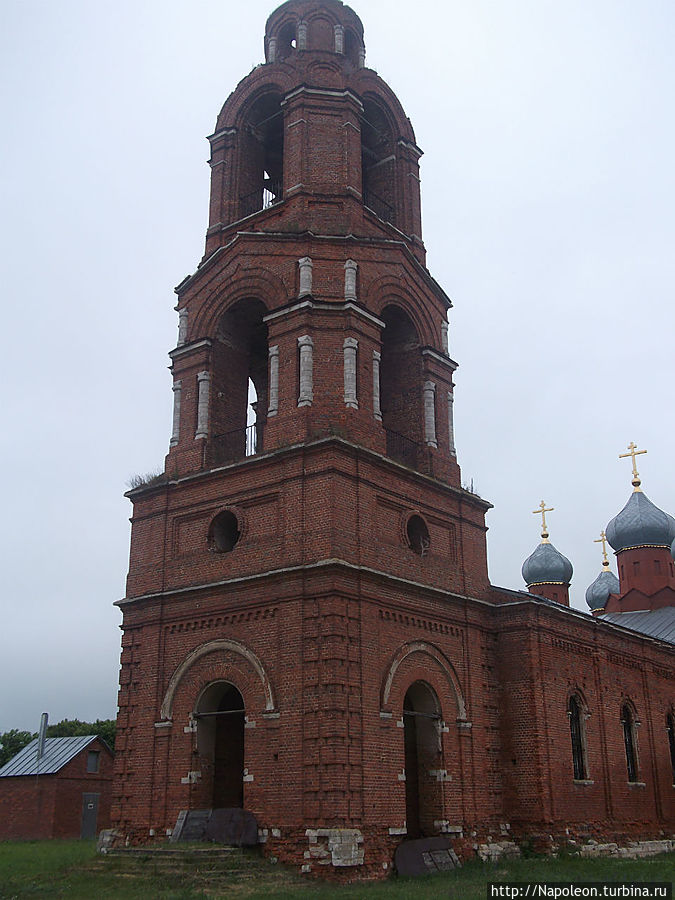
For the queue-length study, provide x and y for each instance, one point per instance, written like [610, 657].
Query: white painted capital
[182, 325]
[306, 348]
[204, 384]
[430, 414]
[350, 279]
[175, 431]
[349, 349]
[305, 276]
[444, 334]
[451, 424]
[274, 381]
[377, 412]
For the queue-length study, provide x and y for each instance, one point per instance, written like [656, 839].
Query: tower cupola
[605, 584]
[315, 25]
[546, 571]
[641, 536]
[640, 523]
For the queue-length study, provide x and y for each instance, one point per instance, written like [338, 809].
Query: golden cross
[603, 540]
[543, 509]
[633, 452]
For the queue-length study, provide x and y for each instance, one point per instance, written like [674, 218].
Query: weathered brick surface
[324, 615]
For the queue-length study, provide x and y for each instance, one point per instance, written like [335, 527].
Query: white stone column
[362, 57]
[182, 325]
[451, 424]
[175, 431]
[272, 50]
[430, 414]
[306, 347]
[301, 40]
[305, 276]
[339, 38]
[377, 412]
[350, 279]
[444, 334]
[274, 381]
[349, 348]
[204, 384]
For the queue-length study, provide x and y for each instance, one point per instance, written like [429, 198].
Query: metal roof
[58, 752]
[657, 623]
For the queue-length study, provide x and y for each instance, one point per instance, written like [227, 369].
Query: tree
[104, 728]
[12, 742]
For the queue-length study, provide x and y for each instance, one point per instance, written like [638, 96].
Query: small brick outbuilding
[64, 794]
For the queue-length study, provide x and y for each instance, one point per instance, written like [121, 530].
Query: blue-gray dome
[547, 566]
[597, 593]
[672, 549]
[640, 523]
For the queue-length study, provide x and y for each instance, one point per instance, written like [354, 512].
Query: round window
[224, 532]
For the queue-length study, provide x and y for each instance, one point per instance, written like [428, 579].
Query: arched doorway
[220, 738]
[421, 736]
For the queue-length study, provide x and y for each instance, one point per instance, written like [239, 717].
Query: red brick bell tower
[299, 576]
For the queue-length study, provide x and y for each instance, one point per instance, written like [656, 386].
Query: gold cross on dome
[603, 540]
[543, 509]
[633, 452]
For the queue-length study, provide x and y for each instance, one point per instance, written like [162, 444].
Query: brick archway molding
[439, 657]
[214, 647]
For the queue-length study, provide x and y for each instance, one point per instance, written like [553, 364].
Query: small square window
[93, 761]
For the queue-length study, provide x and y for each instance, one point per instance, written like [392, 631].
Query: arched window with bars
[630, 742]
[670, 728]
[575, 711]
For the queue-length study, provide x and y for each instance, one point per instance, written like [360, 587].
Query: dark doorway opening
[421, 736]
[220, 735]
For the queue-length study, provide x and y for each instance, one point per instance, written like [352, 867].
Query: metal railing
[264, 197]
[403, 449]
[379, 206]
[233, 445]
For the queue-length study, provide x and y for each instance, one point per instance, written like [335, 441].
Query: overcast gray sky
[548, 193]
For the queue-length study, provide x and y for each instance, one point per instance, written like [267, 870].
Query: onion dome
[546, 565]
[598, 592]
[640, 523]
[605, 584]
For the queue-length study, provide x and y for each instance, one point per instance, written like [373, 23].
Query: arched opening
[224, 532]
[220, 743]
[240, 395]
[352, 47]
[670, 728]
[401, 386]
[286, 41]
[418, 535]
[262, 156]
[629, 742]
[578, 738]
[378, 162]
[422, 743]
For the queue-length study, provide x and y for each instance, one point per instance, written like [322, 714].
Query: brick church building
[309, 630]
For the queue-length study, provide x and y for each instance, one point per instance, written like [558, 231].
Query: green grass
[73, 870]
